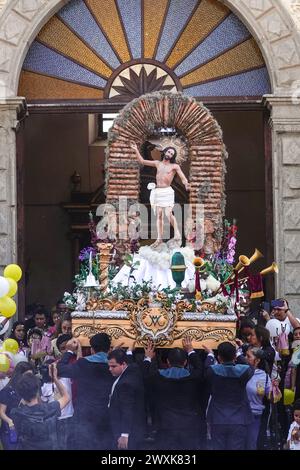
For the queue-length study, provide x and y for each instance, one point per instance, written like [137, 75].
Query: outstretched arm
[182, 177]
[140, 158]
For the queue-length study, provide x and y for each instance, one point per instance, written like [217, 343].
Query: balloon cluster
[8, 355]
[8, 288]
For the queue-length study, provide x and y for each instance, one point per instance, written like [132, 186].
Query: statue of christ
[162, 196]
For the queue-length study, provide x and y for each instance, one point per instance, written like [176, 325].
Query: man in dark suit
[94, 383]
[126, 402]
[229, 411]
[178, 392]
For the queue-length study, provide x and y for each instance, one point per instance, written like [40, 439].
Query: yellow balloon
[10, 345]
[288, 396]
[14, 271]
[4, 363]
[7, 307]
[13, 287]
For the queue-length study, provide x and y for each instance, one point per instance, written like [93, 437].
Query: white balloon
[4, 286]
[274, 327]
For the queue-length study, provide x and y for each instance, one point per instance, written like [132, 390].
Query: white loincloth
[162, 197]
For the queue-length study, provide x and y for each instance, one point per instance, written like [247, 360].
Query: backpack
[37, 426]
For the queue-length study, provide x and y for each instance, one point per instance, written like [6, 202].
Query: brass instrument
[256, 255]
[243, 262]
[271, 269]
[198, 262]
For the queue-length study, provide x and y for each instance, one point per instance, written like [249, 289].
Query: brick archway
[202, 133]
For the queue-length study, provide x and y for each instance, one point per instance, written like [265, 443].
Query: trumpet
[243, 262]
[198, 262]
[271, 269]
[256, 255]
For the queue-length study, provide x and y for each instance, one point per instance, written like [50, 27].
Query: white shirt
[50, 393]
[287, 326]
[111, 394]
[294, 445]
[114, 386]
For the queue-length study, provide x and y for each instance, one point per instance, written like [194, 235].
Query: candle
[90, 262]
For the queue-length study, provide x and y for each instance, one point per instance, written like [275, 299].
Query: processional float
[195, 291]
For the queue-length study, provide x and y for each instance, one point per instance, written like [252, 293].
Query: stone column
[11, 110]
[285, 123]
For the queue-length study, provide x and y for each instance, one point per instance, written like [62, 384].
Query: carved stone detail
[286, 53]
[3, 188]
[4, 249]
[291, 182]
[257, 7]
[291, 149]
[292, 279]
[3, 161]
[291, 215]
[294, 6]
[292, 246]
[274, 26]
[12, 30]
[28, 8]
[5, 58]
[3, 220]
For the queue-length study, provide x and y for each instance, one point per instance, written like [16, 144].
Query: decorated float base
[140, 321]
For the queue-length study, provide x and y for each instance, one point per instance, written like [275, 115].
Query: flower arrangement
[229, 241]
[212, 271]
[83, 257]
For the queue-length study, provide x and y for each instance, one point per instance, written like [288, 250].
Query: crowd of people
[61, 396]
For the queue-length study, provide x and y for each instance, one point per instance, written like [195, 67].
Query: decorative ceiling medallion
[138, 79]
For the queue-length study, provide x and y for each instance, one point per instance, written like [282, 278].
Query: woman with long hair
[260, 337]
[18, 333]
[64, 328]
[258, 389]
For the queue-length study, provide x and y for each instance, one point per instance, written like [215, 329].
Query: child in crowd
[293, 439]
[50, 393]
[35, 422]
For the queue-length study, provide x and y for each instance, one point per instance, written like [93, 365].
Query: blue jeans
[252, 433]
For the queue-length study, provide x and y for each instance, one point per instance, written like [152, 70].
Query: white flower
[212, 283]
[151, 186]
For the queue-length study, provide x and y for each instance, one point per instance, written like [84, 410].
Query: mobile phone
[13, 438]
[265, 306]
[277, 303]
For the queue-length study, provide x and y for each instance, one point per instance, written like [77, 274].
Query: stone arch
[137, 122]
[270, 22]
